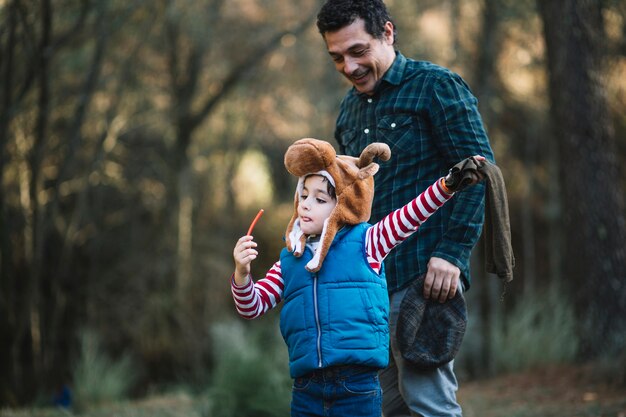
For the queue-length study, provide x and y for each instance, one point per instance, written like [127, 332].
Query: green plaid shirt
[430, 120]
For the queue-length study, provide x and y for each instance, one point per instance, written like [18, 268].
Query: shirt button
[393, 125]
[366, 131]
[369, 100]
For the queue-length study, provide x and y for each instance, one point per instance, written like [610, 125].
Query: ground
[552, 392]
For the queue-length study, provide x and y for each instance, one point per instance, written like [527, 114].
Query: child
[331, 278]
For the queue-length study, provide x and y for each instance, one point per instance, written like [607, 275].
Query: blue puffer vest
[339, 315]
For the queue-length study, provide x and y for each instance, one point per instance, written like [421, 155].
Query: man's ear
[388, 33]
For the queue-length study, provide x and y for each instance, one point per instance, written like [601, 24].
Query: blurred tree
[99, 105]
[486, 81]
[25, 69]
[593, 204]
[62, 121]
[7, 268]
[187, 53]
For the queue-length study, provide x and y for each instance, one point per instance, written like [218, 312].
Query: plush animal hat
[353, 179]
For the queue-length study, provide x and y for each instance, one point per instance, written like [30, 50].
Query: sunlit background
[139, 139]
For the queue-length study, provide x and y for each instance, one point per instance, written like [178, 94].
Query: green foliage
[251, 378]
[539, 331]
[97, 378]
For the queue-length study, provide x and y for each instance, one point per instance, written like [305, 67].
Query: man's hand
[442, 280]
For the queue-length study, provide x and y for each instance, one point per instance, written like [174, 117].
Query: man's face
[360, 57]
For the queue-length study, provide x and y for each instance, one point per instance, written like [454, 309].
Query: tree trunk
[528, 224]
[593, 216]
[7, 276]
[485, 78]
[455, 20]
[485, 73]
[27, 343]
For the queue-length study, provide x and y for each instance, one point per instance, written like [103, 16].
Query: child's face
[315, 205]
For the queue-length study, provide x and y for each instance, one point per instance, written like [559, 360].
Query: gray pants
[409, 392]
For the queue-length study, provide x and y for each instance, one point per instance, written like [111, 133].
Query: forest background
[138, 139]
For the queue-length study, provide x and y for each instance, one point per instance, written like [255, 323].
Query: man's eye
[359, 52]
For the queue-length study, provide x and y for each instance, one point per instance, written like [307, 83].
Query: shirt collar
[395, 72]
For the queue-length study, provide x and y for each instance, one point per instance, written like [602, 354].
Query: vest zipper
[317, 323]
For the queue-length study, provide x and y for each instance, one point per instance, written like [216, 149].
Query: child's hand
[465, 173]
[243, 254]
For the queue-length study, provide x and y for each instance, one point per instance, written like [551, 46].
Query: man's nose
[350, 65]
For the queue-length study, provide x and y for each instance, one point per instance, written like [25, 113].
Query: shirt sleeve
[459, 133]
[397, 226]
[257, 298]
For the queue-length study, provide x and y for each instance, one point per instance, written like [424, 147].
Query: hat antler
[366, 160]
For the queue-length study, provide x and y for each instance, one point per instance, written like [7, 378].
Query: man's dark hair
[337, 14]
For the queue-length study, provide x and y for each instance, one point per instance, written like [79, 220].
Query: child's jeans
[338, 391]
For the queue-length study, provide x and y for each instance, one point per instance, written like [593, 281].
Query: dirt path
[553, 392]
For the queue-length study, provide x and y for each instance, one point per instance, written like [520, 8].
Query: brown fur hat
[353, 179]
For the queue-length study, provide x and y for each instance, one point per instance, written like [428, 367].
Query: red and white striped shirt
[256, 298]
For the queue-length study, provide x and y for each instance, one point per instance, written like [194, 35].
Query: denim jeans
[338, 391]
[410, 392]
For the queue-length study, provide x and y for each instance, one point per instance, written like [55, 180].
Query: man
[429, 118]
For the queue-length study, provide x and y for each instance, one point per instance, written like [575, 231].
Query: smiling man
[429, 118]
[359, 57]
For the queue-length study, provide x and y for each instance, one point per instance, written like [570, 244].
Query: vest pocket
[354, 325]
[296, 327]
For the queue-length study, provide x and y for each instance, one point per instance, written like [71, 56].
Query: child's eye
[303, 197]
[320, 200]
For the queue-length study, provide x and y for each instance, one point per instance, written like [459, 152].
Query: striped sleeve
[255, 298]
[394, 228]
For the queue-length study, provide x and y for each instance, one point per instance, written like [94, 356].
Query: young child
[331, 279]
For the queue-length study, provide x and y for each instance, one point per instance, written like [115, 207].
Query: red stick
[256, 219]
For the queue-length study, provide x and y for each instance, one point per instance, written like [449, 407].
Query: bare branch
[240, 70]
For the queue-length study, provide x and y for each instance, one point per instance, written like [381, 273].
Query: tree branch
[240, 70]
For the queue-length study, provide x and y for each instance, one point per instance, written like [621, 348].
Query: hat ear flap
[294, 237]
[368, 171]
[331, 226]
